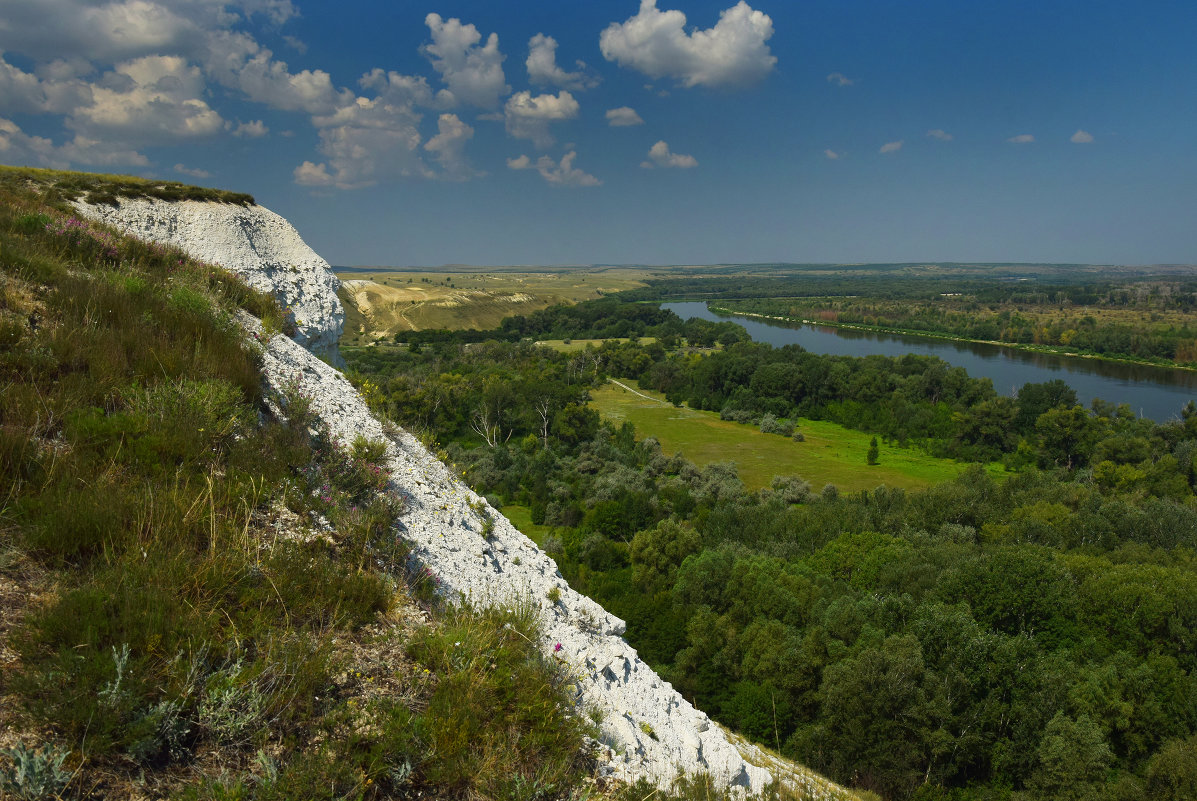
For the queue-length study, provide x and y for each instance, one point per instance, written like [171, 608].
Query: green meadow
[831, 454]
[573, 345]
[521, 518]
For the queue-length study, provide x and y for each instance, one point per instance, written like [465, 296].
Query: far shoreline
[1051, 350]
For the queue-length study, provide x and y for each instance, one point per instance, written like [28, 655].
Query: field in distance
[384, 303]
[831, 454]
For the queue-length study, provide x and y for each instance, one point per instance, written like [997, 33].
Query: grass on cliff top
[830, 454]
[173, 623]
[98, 189]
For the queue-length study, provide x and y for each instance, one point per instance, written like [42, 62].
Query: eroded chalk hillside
[647, 728]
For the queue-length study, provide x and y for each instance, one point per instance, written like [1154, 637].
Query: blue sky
[400, 133]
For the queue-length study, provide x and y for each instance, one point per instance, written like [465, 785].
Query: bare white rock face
[252, 241]
[648, 729]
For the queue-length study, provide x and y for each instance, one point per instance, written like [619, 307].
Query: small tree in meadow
[874, 452]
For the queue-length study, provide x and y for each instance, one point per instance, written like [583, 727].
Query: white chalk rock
[251, 241]
[653, 732]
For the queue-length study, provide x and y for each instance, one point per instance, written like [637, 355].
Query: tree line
[1033, 319]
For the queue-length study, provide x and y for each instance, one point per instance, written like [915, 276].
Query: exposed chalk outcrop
[649, 729]
[251, 241]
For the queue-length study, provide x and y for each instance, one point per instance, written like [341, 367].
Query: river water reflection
[1155, 392]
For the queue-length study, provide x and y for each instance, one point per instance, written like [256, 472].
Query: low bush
[739, 415]
[531, 735]
[775, 425]
[34, 775]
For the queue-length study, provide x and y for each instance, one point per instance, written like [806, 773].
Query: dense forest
[1028, 638]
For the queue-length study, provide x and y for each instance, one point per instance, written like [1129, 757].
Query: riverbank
[1053, 350]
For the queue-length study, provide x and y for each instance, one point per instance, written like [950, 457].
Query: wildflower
[556, 647]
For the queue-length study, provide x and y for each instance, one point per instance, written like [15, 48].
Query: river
[1156, 392]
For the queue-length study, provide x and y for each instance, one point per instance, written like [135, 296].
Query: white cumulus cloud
[659, 155]
[622, 117]
[1021, 139]
[940, 134]
[543, 69]
[448, 147]
[656, 43]
[831, 154]
[254, 129]
[561, 173]
[149, 100]
[124, 75]
[529, 116]
[113, 31]
[840, 79]
[1081, 137]
[309, 174]
[406, 90]
[143, 101]
[892, 147]
[237, 61]
[18, 147]
[55, 88]
[473, 72]
[193, 172]
[365, 142]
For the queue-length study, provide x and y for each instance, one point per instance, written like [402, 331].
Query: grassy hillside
[198, 604]
[829, 453]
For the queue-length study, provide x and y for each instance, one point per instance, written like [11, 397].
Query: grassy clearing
[831, 454]
[574, 345]
[521, 518]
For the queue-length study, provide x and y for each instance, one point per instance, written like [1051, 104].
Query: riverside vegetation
[1139, 315]
[205, 598]
[1028, 639]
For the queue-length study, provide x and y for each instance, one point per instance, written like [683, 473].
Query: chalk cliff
[648, 729]
[253, 242]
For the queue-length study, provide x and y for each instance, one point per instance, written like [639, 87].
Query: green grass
[100, 188]
[574, 345]
[521, 518]
[831, 453]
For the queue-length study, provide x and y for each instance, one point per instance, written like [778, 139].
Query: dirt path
[640, 394]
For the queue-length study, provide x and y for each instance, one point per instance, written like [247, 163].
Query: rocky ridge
[647, 728]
